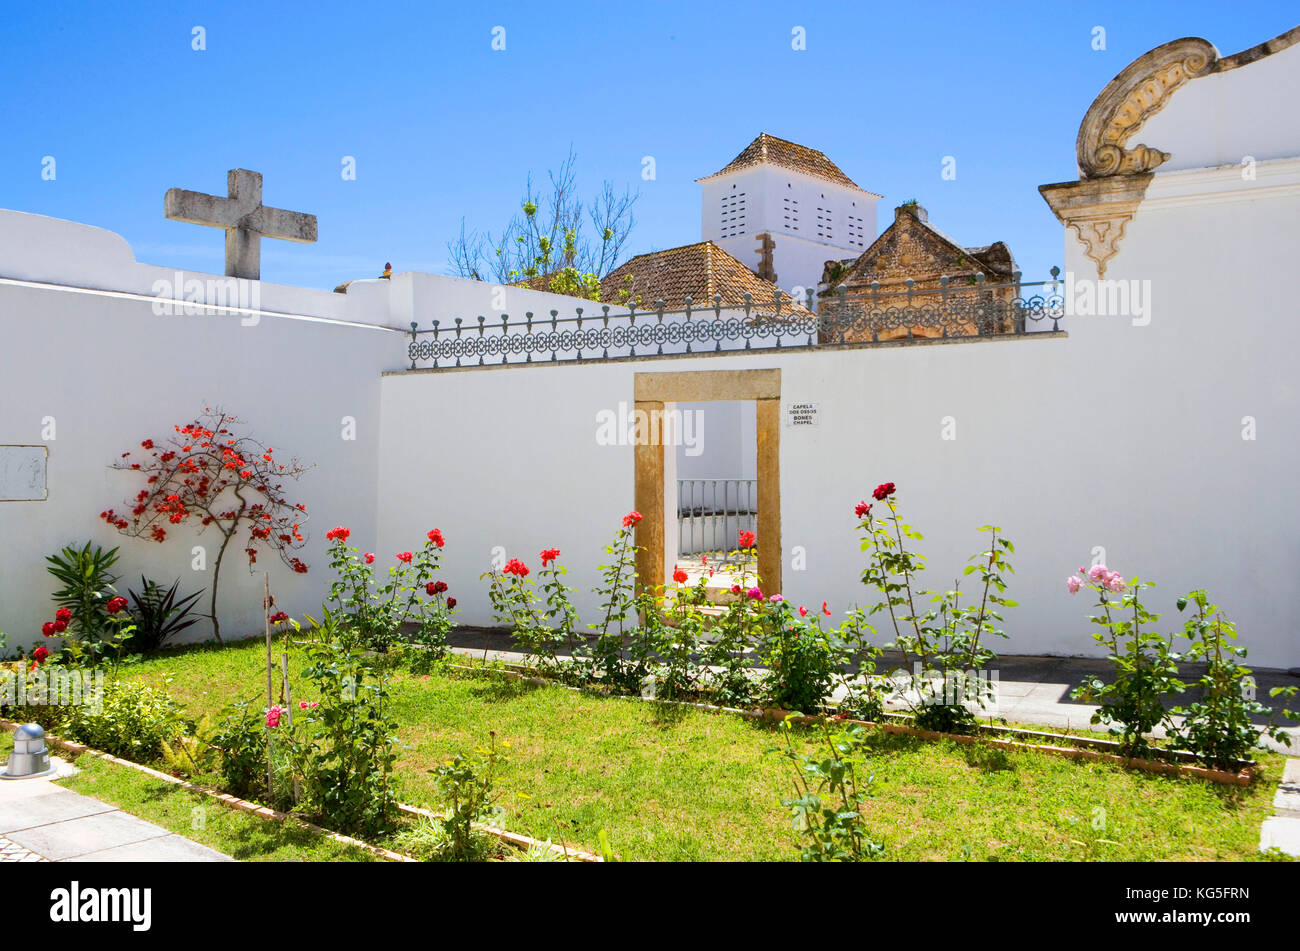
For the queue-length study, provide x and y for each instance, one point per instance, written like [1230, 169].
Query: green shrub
[1218, 727]
[134, 721]
[159, 614]
[800, 661]
[87, 586]
[465, 783]
[830, 792]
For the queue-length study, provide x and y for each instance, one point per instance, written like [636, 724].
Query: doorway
[673, 495]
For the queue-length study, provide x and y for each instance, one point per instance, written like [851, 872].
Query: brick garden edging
[1242, 777]
[514, 839]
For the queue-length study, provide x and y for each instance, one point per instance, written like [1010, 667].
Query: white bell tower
[784, 210]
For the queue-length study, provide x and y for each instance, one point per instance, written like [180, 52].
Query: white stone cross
[245, 219]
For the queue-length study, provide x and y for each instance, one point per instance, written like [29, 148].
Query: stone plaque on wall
[22, 473]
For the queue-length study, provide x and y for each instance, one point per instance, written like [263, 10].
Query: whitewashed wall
[110, 372]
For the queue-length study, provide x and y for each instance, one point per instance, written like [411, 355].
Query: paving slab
[34, 810]
[13, 852]
[166, 848]
[71, 837]
[1280, 832]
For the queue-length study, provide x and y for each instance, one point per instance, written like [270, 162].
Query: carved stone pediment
[1132, 97]
[1114, 171]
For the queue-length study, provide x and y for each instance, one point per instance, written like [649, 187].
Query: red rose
[435, 536]
[631, 518]
[451, 603]
[40, 654]
[47, 629]
[516, 567]
[883, 491]
[404, 556]
[370, 558]
[115, 605]
[60, 627]
[63, 614]
[747, 539]
[735, 589]
[339, 533]
[549, 555]
[680, 576]
[862, 509]
[279, 617]
[435, 587]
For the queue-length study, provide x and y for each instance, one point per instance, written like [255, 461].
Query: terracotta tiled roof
[698, 271]
[769, 150]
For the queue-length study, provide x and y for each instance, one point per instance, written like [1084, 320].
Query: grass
[677, 784]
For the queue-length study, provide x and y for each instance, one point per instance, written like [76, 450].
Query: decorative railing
[711, 514]
[865, 315]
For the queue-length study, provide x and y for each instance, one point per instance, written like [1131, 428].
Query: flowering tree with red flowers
[208, 472]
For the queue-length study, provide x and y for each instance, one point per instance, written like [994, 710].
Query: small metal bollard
[30, 757]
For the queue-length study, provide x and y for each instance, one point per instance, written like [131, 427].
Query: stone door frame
[650, 392]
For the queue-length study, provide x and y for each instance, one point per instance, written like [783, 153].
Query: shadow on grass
[668, 715]
[490, 687]
[989, 759]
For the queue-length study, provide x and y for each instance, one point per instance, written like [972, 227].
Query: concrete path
[1282, 831]
[42, 822]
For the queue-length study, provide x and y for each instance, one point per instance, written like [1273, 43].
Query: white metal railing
[711, 514]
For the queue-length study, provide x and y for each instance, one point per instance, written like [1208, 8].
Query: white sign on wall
[803, 414]
[22, 473]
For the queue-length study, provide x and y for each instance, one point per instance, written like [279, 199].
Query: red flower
[516, 567]
[451, 603]
[862, 509]
[631, 518]
[680, 576]
[339, 533]
[47, 629]
[370, 558]
[747, 539]
[735, 589]
[63, 614]
[148, 444]
[40, 654]
[435, 587]
[405, 557]
[803, 611]
[279, 617]
[60, 627]
[115, 605]
[549, 555]
[825, 609]
[883, 491]
[435, 536]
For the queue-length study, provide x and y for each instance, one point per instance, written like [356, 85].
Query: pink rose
[1073, 584]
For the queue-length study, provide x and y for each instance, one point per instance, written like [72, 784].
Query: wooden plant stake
[286, 693]
[266, 613]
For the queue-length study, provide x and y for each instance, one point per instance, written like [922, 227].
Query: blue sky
[444, 127]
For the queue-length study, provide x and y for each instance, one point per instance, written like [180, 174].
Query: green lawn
[679, 784]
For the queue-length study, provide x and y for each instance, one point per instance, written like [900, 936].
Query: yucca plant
[159, 614]
[87, 578]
